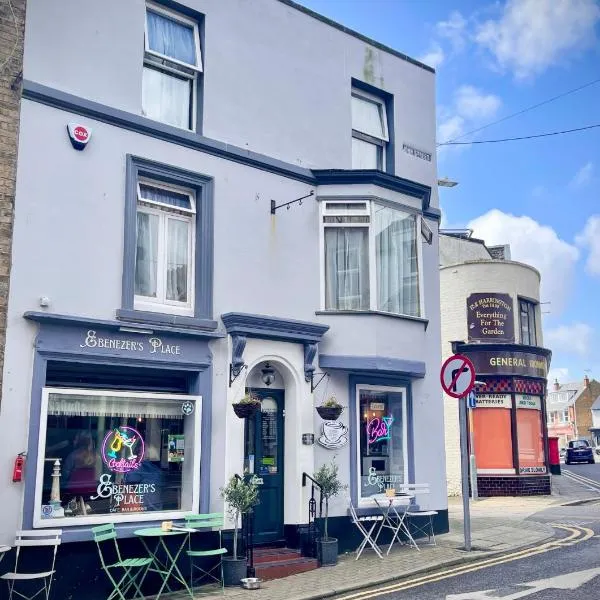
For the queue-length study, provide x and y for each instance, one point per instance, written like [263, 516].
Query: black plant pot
[330, 413]
[328, 551]
[245, 410]
[234, 570]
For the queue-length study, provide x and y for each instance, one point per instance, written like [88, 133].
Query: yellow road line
[577, 535]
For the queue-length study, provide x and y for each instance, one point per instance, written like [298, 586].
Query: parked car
[579, 451]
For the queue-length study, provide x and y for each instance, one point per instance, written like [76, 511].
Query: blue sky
[494, 58]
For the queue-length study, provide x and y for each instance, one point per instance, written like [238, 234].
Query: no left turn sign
[457, 376]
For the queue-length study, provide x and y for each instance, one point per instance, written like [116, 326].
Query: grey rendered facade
[272, 121]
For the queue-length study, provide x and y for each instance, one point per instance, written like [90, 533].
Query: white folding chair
[362, 523]
[426, 526]
[50, 538]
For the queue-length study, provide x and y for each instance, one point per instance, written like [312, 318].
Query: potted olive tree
[241, 497]
[330, 484]
[330, 410]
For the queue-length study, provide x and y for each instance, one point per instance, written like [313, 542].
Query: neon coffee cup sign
[123, 449]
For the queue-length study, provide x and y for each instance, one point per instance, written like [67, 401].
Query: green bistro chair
[213, 574]
[130, 568]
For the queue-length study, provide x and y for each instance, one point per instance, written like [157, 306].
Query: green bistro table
[163, 561]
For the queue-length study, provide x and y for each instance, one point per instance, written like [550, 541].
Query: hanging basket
[244, 410]
[330, 413]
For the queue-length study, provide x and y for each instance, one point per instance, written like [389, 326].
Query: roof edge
[356, 34]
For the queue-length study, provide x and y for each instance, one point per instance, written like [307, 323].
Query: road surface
[567, 568]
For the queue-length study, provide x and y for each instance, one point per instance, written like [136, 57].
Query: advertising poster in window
[176, 448]
[490, 317]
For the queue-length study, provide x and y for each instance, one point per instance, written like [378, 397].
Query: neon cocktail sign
[379, 429]
[118, 449]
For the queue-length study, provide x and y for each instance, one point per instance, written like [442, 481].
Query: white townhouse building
[215, 197]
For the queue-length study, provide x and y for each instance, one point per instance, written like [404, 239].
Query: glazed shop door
[264, 458]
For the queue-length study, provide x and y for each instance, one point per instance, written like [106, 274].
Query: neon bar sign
[379, 430]
[119, 441]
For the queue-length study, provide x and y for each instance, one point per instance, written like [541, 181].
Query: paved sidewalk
[491, 535]
[499, 525]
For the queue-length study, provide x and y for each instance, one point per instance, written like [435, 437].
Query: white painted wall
[276, 80]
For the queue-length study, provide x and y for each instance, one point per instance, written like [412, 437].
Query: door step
[274, 563]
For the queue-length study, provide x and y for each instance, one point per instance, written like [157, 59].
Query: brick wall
[583, 409]
[538, 485]
[12, 22]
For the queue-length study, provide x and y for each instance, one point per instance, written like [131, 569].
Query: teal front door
[264, 458]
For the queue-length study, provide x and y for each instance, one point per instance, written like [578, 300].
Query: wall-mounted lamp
[268, 374]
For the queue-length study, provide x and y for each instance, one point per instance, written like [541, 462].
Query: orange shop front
[509, 432]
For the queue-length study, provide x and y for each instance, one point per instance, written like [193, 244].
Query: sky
[494, 58]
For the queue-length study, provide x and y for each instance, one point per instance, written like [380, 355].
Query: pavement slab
[499, 525]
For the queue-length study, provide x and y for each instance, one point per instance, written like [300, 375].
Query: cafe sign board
[501, 362]
[490, 317]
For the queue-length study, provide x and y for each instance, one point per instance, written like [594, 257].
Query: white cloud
[560, 374]
[470, 107]
[532, 35]
[572, 339]
[454, 30]
[583, 176]
[589, 238]
[535, 244]
[473, 104]
[435, 57]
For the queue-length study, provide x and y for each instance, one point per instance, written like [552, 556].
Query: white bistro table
[394, 519]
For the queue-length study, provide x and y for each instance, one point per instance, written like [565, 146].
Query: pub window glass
[382, 439]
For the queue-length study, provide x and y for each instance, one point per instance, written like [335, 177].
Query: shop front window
[529, 433]
[382, 444]
[492, 433]
[116, 456]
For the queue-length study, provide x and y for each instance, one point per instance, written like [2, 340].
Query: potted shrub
[330, 410]
[247, 406]
[240, 496]
[327, 478]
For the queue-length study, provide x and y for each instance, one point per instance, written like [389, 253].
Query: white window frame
[100, 519]
[173, 70]
[326, 209]
[369, 502]
[381, 143]
[164, 212]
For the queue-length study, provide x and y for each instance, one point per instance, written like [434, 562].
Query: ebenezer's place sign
[490, 317]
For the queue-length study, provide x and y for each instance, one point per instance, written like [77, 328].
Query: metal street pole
[472, 461]
[464, 465]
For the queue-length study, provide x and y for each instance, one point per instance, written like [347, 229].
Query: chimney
[556, 385]
[586, 381]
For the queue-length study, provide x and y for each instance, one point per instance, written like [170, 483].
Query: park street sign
[569, 581]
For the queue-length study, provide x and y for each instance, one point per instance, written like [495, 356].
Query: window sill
[374, 312]
[156, 318]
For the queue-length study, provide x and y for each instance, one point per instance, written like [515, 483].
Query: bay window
[116, 456]
[164, 256]
[172, 62]
[382, 447]
[371, 258]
